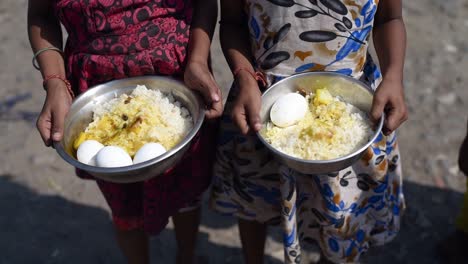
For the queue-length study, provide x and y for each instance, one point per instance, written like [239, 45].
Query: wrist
[56, 88]
[197, 59]
[249, 76]
[245, 80]
[54, 84]
[392, 74]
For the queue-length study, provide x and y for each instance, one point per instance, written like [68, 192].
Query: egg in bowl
[130, 122]
[328, 129]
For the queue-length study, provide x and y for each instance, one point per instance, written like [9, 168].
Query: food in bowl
[288, 110]
[148, 151]
[133, 124]
[113, 156]
[329, 129]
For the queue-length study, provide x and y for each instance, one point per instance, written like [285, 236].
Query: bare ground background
[49, 216]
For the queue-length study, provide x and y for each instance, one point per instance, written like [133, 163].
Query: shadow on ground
[39, 228]
[36, 228]
[8, 113]
[429, 218]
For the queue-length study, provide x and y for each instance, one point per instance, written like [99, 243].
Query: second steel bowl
[347, 88]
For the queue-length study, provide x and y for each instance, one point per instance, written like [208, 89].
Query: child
[346, 211]
[116, 39]
[453, 248]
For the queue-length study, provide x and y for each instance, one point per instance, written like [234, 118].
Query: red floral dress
[114, 39]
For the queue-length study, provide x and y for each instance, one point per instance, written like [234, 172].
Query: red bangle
[258, 76]
[56, 76]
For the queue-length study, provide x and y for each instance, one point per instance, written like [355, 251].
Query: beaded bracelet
[56, 76]
[258, 76]
[34, 59]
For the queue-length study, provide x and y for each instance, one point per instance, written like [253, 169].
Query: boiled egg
[148, 151]
[288, 110]
[113, 156]
[87, 151]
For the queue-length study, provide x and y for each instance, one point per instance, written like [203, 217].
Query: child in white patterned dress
[345, 211]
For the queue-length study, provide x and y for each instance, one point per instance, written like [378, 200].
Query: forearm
[202, 29]
[390, 45]
[236, 47]
[390, 38]
[234, 35]
[44, 31]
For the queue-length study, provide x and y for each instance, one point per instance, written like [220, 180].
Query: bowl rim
[375, 135]
[135, 167]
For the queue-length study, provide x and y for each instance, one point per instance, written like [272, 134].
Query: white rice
[348, 137]
[175, 121]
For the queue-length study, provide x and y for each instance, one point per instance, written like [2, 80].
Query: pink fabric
[114, 39]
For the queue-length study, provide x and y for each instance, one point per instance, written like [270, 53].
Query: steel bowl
[81, 113]
[347, 88]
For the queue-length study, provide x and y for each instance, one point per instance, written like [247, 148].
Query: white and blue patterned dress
[346, 211]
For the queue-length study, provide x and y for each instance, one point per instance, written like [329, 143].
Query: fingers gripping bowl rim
[81, 113]
[349, 89]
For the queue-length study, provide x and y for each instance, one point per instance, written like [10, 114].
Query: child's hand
[198, 77]
[51, 119]
[389, 98]
[246, 109]
[463, 155]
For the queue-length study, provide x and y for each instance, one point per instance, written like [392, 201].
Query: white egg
[87, 151]
[288, 110]
[148, 151]
[112, 156]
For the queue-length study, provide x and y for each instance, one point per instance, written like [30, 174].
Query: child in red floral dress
[115, 39]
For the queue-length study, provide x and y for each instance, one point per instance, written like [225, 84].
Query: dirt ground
[50, 216]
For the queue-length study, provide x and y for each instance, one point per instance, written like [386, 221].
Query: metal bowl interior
[81, 114]
[347, 88]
